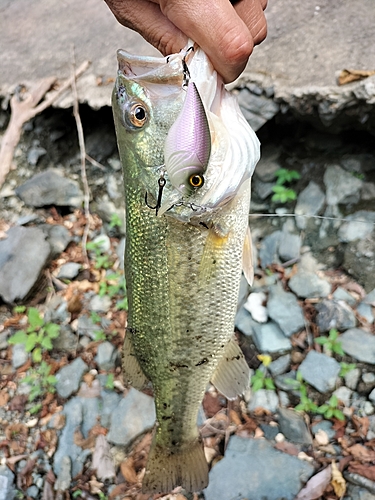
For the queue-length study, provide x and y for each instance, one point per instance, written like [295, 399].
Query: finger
[251, 12]
[146, 18]
[217, 29]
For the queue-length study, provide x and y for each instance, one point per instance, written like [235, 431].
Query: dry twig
[81, 141]
[23, 110]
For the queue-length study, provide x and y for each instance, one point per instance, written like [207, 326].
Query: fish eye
[196, 180]
[138, 115]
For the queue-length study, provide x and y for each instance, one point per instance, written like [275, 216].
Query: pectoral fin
[133, 373]
[247, 258]
[232, 374]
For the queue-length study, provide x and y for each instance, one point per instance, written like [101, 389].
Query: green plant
[260, 380]
[306, 404]
[19, 309]
[115, 221]
[112, 285]
[109, 382]
[282, 192]
[331, 409]
[99, 335]
[331, 343]
[40, 381]
[346, 368]
[102, 259]
[37, 336]
[95, 317]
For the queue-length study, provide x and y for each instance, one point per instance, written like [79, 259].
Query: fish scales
[182, 281]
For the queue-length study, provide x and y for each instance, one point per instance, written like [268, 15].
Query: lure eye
[138, 115]
[196, 180]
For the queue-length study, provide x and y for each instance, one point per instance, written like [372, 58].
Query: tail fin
[186, 467]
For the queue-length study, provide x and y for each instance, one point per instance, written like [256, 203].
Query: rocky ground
[68, 426]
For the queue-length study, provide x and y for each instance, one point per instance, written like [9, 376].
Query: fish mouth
[151, 69]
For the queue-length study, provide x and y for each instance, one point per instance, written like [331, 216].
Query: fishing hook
[161, 182]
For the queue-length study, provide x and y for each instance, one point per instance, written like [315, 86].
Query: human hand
[227, 33]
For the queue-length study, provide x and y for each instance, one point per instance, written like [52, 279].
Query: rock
[7, 491]
[64, 477]
[320, 371]
[57, 236]
[19, 356]
[360, 481]
[110, 401]
[113, 187]
[341, 294]
[102, 243]
[351, 163]
[289, 246]
[69, 270]
[34, 154]
[280, 365]
[368, 377]
[50, 188]
[90, 413]
[86, 326]
[293, 426]
[357, 493]
[100, 303]
[326, 426]
[244, 322]
[334, 314]
[365, 310]
[361, 225]
[352, 378]
[263, 189]
[268, 253]
[270, 431]
[359, 261]
[371, 396]
[264, 398]
[254, 305]
[368, 191]
[269, 338]
[66, 341]
[23, 256]
[308, 285]
[268, 164]
[107, 208]
[359, 344]
[370, 298]
[56, 310]
[284, 309]
[344, 394]
[287, 382]
[134, 415]
[274, 475]
[69, 377]
[32, 491]
[120, 252]
[106, 356]
[310, 202]
[341, 186]
[257, 109]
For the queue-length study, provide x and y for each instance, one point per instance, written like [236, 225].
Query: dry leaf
[288, 448]
[87, 443]
[316, 486]
[353, 75]
[128, 471]
[338, 482]
[361, 453]
[234, 417]
[95, 486]
[102, 459]
[362, 425]
[4, 397]
[90, 390]
[363, 470]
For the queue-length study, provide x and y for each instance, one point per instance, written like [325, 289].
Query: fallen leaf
[361, 453]
[286, 447]
[363, 470]
[338, 482]
[128, 470]
[234, 417]
[91, 390]
[352, 75]
[361, 425]
[4, 397]
[95, 486]
[102, 460]
[321, 438]
[17, 437]
[316, 486]
[85, 443]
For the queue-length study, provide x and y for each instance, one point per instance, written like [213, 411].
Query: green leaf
[37, 355]
[258, 384]
[322, 409]
[51, 379]
[31, 341]
[333, 334]
[19, 337]
[268, 382]
[321, 340]
[35, 408]
[47, 343]
[35, 320]
[337, 348]
[338, 414]
[19, 309]
[109, 381]
[333, 401]
[329, 413]
[300, 407]
[52, 330]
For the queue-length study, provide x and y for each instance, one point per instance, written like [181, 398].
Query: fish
[188, 155]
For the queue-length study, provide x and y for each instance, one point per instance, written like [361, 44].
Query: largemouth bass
[188, 155]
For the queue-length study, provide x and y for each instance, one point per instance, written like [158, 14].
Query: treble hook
[161, 182]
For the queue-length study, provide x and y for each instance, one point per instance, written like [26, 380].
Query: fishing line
[313, 216]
